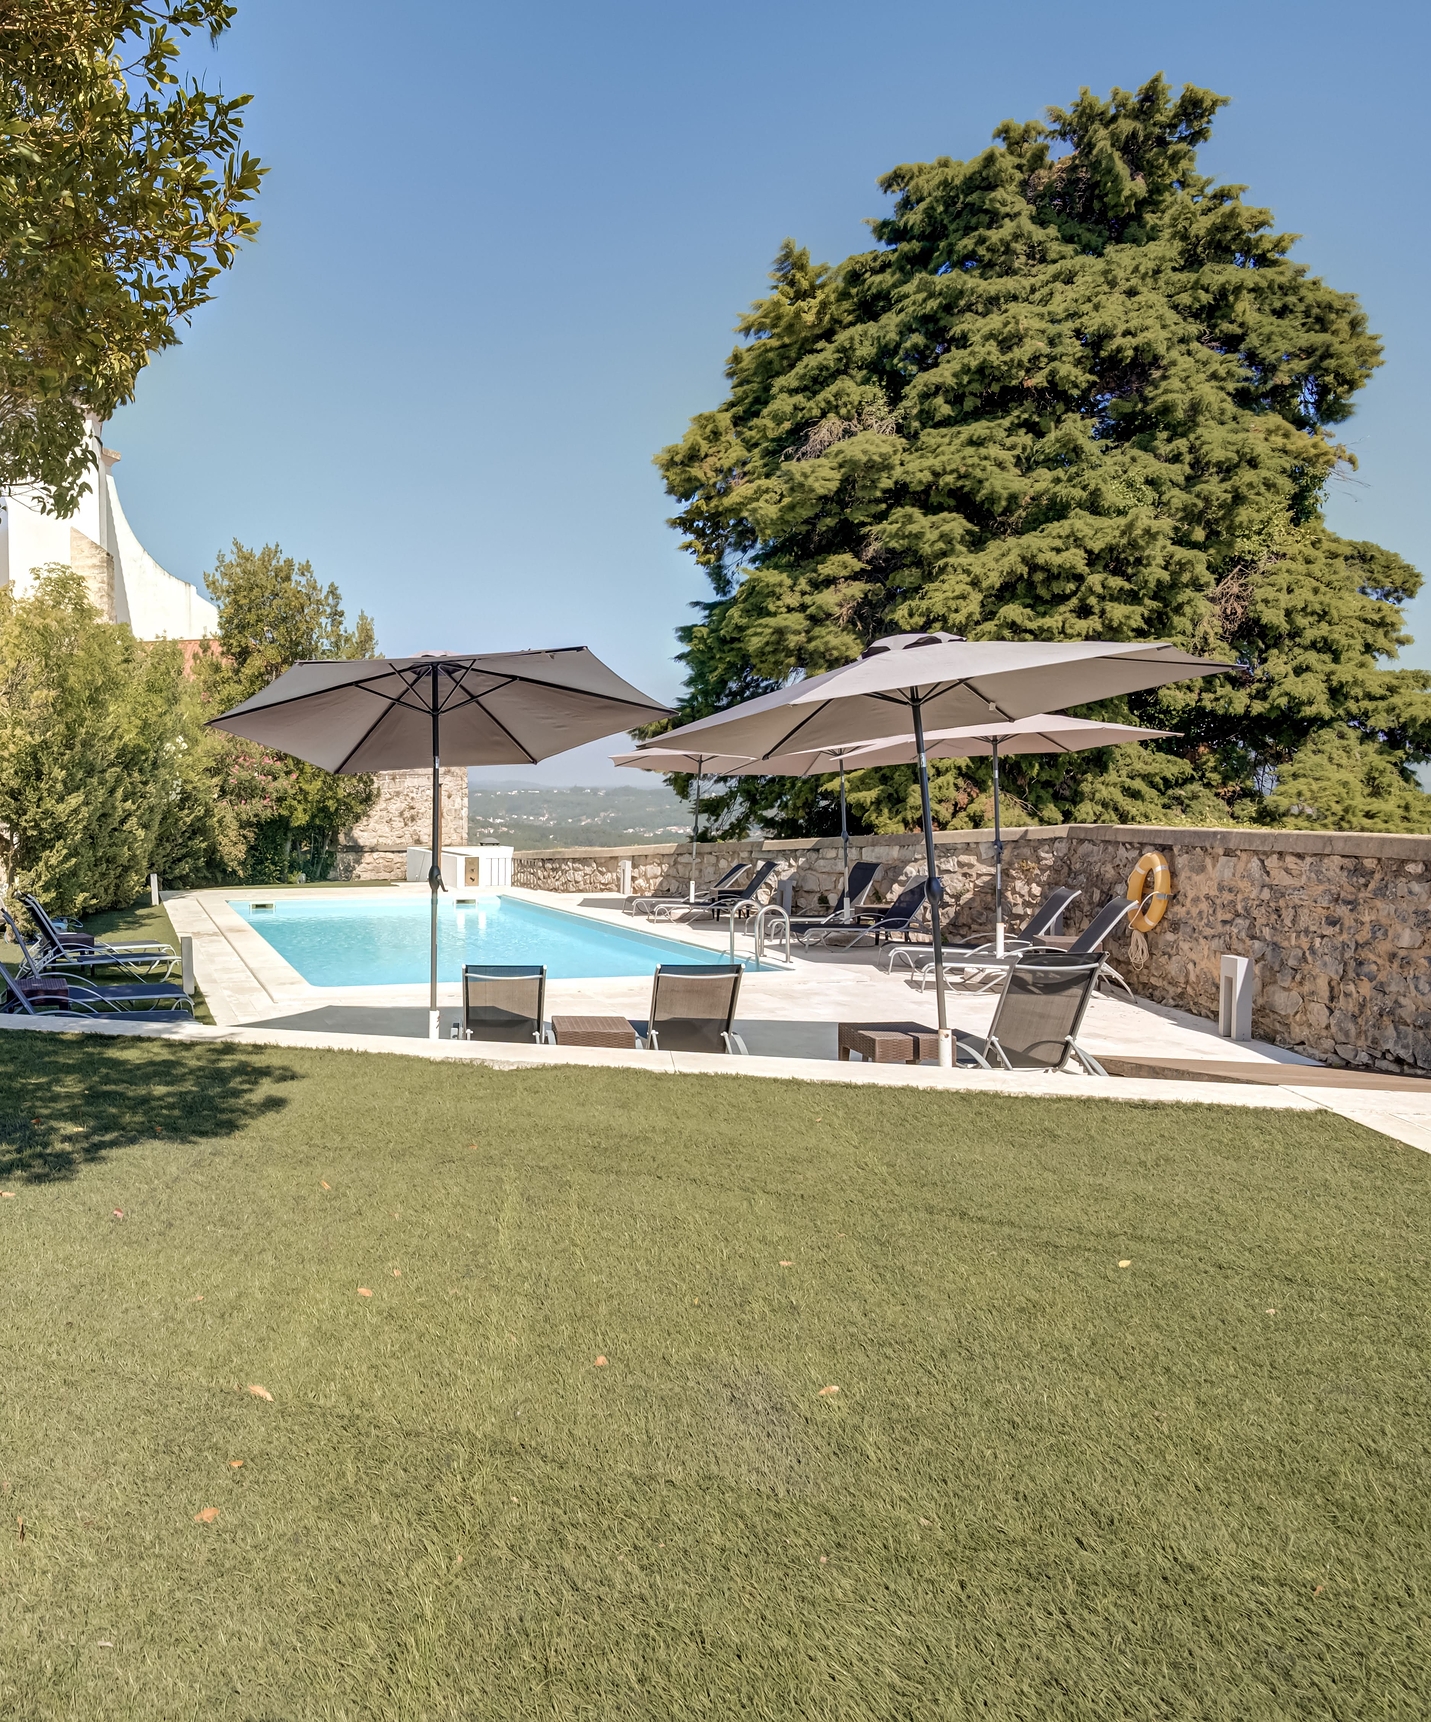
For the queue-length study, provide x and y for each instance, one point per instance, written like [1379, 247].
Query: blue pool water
[333, 943]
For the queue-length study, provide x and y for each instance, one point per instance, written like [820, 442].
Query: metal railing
[782, 919]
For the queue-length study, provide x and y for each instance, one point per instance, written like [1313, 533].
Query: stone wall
[376, 848]
[1337, 924]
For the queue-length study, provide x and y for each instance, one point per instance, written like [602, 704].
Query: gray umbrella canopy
[1042, 734]
[937, 679]
[955, 683]
[495, 708]
[354, 715]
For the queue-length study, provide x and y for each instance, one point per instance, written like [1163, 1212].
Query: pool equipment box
[488, 866]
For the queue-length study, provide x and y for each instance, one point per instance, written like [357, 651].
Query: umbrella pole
[434, 872]
[844, 846]
[935, 889]
[998, 860]
[695, 836]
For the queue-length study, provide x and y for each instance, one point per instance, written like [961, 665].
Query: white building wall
[125, 581]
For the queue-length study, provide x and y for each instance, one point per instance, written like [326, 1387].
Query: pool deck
[787, 1016]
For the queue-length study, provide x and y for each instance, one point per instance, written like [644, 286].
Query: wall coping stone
[1372, 845]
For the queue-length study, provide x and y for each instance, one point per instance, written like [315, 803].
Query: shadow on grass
[68, 1100]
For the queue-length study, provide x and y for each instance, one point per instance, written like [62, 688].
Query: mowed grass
[1048, 1486]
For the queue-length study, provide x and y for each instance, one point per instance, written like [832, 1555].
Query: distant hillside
[529, 816]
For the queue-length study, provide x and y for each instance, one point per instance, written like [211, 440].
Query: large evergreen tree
[1076, 391]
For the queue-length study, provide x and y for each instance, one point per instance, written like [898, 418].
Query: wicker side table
[613, 1031]
[888, 1042]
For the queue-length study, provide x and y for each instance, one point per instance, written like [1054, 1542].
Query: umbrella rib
[780, 746]
[527, 754]
[993, 704]
[362, 739]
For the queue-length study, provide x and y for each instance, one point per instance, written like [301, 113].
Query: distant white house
[124, 580]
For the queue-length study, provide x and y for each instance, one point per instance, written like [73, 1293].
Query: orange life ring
[1152, 904]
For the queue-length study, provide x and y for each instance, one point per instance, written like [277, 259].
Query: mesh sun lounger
[742, 902]
[81, 953]
[1040, 1011]
[1106, 922]
[81, 942]
[659, 906]
[69, 995]
[693, 1009]
[957, 951]
[899, 917]
[504, 1001]
[40, 960]
[862, 876]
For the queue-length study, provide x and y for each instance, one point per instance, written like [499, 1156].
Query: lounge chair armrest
[651, 1043]
[733, 1043]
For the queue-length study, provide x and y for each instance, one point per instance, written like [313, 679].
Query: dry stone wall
[376, 848]
[1337, 924]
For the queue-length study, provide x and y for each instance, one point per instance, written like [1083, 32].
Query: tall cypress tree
[1076, 391]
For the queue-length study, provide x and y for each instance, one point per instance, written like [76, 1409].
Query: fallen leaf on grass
[324, 1182]
[1271, 1312]
[198, 1299]
[105, 1644]
[825, 1392]
[824, 1560]
[207, 1516]
[119, 1213]
[234, 1464]
[1318, 1591]
[7, 1195]
[397, 1273]
[21, 1524]
[364, 1292]
[601, 1363]
[1125, 1264]
[260, 1392]
[787, 1264]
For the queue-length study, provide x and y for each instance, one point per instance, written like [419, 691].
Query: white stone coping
[1374, 845]
[1406, 1120]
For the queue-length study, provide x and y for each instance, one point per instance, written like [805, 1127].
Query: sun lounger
[899, 917]
[1036, 1021]
[69, 995]
[862, 877]
[504, 1001]
[1090, 941]
[957, 951]
[82, 943]
[693, 1009]
[742, 902]
[37, 959]
[45, 952]
[658, 906]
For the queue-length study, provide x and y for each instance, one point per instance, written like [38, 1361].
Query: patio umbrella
[1041, 734]
[354, 715]
[701, 764]
[950, 682]
[817, 764]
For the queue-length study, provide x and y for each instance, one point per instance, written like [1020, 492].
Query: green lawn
[1048, 1486]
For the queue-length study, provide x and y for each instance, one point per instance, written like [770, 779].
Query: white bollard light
[153, 890]
[1234, 1004]
[186, 962]
[946, 1049]
[434, 1025]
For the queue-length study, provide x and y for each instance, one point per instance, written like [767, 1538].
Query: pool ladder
[779, 917]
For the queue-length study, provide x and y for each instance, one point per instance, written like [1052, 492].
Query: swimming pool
[368, 943]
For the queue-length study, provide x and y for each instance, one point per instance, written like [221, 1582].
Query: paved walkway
[788, 1018]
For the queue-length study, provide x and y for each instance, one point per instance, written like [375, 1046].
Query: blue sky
[503, 249]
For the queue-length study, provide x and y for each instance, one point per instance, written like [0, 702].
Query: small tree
[105, 768]
[272, 614]
[122, 199]
[1078, 391]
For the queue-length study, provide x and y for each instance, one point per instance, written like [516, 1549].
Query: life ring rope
[1152, 869]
